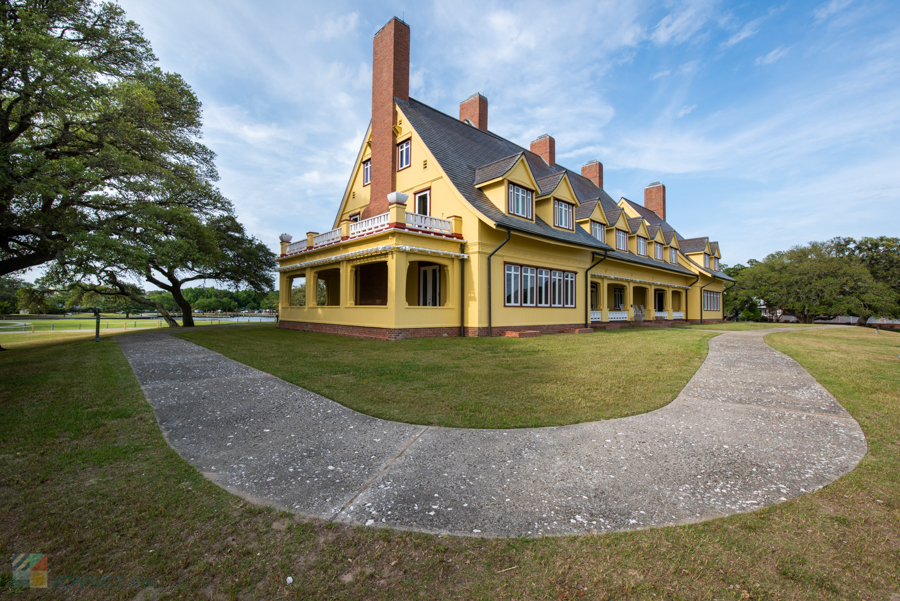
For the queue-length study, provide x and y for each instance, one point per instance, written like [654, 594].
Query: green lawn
[741, 326]
[86, 477]
[477, 383]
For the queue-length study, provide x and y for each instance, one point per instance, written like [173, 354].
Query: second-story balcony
[396, 218]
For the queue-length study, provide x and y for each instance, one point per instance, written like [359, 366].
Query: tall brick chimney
[545, 146]
[474, 108]
[655, 198]
[390, 79]
[593, 170]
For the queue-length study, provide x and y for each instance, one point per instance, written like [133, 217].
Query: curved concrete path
[750, 429]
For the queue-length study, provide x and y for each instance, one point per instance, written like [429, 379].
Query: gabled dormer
[590, 217]
[556, 201]
[618, 230]
[657, 242]
[510, 185]
[672, 247]
[697, 250]
[639, 237]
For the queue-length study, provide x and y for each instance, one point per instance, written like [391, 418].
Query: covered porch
[624, 300]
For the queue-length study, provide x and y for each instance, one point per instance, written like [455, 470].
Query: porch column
[604, 305]
[629, 301]
[346, 288]
[284, 292]
[398, 264]
[312, 286]
[669, 301]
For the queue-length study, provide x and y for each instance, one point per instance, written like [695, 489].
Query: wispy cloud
[680, 25]
[661, 74]
[775, 55]
[823, 11]
[748, 30]
[686, 110]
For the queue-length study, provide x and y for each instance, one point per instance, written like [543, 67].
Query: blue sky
[771, 124]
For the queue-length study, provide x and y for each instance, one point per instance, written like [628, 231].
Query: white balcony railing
[663, 314]
[296, 247]
[618, 315]
[596, 315]
[677, 314]
[429, 224]
[327, 238]
[372, 224]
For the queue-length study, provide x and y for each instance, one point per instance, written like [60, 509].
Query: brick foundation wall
[501, 330]
[367, 332]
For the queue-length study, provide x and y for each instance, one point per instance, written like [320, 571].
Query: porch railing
[327, 238]
[372, 224]
[677, 314]
[296, 247]
[596, 315]
[663, 314]
[429, 224]
[618, 315]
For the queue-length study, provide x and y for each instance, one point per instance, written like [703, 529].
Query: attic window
[658, 249]
[621, 240]
[403, 152]
[642, 246]
[716, 263]
[673, 256]
[562, 214]
[597, 230]
[520, 201]
[367, 172]
[706, 261]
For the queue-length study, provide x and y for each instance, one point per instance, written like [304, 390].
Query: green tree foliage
[739, 300]
[8, 287]
[817, 279]
[91, 132]
[298, 294]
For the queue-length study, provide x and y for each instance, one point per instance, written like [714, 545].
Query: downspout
[714, 278]
[490, 322]
[687, 300]
[587, 287]
[462, 291]
[723, 297]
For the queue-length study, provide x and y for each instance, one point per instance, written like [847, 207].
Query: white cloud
[772, 57]
[748, 30]
[823, 11]
[661, 74]
[680, 25]
[686, 110]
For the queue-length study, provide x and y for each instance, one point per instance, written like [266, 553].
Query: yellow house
[447, 229]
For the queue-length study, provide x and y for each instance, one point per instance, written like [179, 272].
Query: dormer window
[367, 172]
[673, 256]
[658, 251]
[521, 201]
[621, 240]
[706, 261]
[642, 246]
[598, 231]
[716, 263]
[563, 213]
[403, 155]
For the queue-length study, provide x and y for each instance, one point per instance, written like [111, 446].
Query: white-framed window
[569, 300]
[658, 251]
[673, 256]
[513, 292]
[543, 288]
[422, 203]
[712, 300]
[354, 218]
[563, 214]
[621, 240]
[716, 263]
[642, 246]
[520, 201]
[403, 154]
[556, 289]
[618, 299]
[528, 286]
[706, 261]
[598, 231]
[367, 172]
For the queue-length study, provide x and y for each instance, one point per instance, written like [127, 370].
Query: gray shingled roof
[613, 215]
[630, 257]
[693, 245]
[635, 224]
[461, 149]
[667, 236]
[718, 274]
[713, 247]
[651, 230]
[548, 183]
[486, 173]
[584, 210]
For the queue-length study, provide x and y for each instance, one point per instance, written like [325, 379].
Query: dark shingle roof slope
[630, 257]
[461, 149]
[635, 224]
[613, 215]
[713, 247]
[548, 183]
[486, 173]
[693, 245]
[652, 230]
[584, 210]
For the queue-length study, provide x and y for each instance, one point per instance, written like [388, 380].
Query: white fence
[618, 315]
[296, 247]
[429, 224]
[372, 224]
[596, 315]
[327, 238]
[677, 314]
[663, 314]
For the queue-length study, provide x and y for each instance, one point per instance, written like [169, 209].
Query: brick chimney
[593, 170]
[390, 79]
[655, 198]
[545, 146]
[474, 108]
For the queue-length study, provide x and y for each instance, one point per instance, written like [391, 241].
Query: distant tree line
[841, 276]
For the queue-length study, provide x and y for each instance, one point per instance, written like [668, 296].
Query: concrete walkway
[750, 429]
